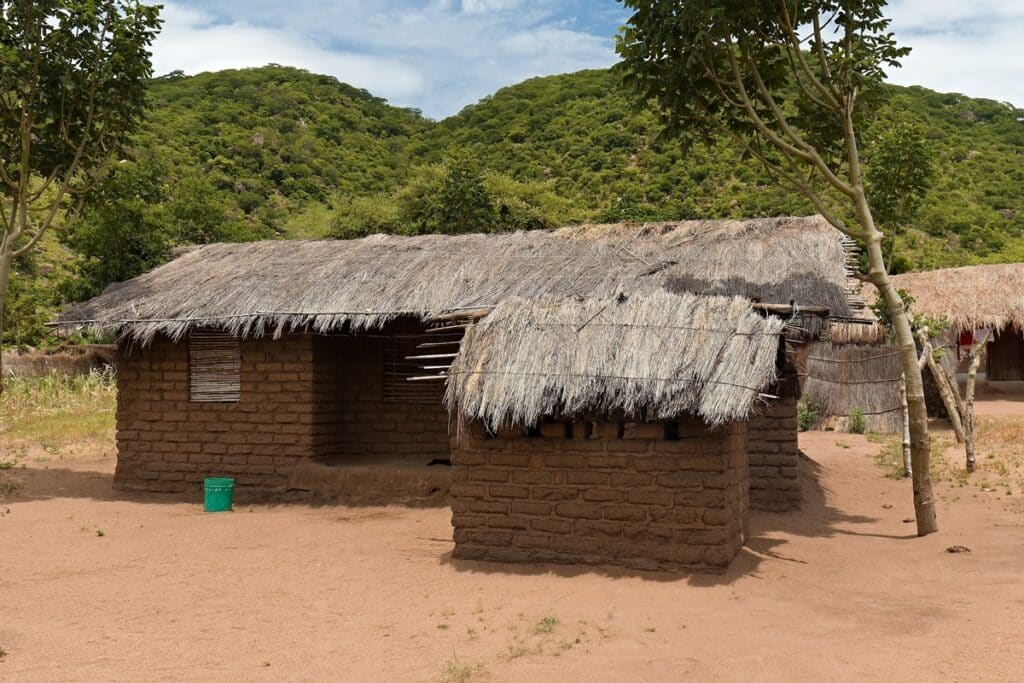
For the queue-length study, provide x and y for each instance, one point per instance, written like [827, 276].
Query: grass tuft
[459, 672]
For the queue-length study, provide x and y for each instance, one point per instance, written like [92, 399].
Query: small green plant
[856, 423]
[807, 415]
[100, 533]
[457, 672]
[443, 626]
[8, 488]
[890, 459]
[546, 625]
[516, 649]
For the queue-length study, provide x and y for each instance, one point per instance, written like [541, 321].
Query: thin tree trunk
[908, 468]
[972, 375]
[920, 447]
[5, 279]
[945, 392]
[954, 387]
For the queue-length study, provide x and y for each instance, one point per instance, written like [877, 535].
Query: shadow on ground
[819, 517]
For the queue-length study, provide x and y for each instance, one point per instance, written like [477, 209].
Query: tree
[899, 174]
[72, 87]
[789, 82]
[463, 203]
[123, 230]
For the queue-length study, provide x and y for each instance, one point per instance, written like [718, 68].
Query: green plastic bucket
[218, 494]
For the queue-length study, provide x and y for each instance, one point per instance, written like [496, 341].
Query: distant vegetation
[278, 152]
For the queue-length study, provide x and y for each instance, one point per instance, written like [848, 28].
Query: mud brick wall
[607, 494]
[167, 443]
[353, 417]
[773, 448]
[302, 396]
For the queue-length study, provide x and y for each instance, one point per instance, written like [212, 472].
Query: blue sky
[441, 55]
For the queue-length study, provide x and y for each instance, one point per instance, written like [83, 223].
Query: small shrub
[857, 424]
[460, 672]
[546, 625]
[807, 415]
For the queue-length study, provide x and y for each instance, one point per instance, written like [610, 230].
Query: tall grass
[58, 408]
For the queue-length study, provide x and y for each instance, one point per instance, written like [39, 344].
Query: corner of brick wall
[638, 501]
[774, 454]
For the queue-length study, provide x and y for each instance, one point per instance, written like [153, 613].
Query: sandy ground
[840, 591]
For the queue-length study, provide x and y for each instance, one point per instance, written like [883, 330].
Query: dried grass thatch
[840, 378]
[664, 353]
[969, 298]
[272, 287]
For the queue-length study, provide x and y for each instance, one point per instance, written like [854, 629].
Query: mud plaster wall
[639, 501]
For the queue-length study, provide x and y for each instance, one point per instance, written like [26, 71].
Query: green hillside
[580, 132]
[279, 152]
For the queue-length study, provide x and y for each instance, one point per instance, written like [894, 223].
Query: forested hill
[580, 131]
[280, 152]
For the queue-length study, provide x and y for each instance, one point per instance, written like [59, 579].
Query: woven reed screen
[214, 367]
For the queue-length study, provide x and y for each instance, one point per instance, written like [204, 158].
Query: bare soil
[100, 585]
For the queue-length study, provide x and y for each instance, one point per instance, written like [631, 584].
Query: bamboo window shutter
[398, 368]
[215, 364]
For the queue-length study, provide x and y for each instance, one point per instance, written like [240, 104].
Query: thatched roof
[270, 287]
[531, 358]
[969, 298]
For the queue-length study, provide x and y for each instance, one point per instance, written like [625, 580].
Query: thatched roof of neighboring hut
[969, 298]
[530, 358]
[270, 287]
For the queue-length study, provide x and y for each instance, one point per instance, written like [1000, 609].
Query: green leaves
[74, 74]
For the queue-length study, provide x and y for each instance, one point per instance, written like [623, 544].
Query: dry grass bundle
[969, 298]
[841, 379]
[663, 353]
[272, 287]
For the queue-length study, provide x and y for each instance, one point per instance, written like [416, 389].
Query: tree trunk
[945, 392]
[920, 448]
[972, 376]
[908, 468]
[5, 279]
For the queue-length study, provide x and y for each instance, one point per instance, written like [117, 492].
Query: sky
[441, 55]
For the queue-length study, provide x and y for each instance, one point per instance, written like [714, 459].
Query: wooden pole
[944, 391]
[908, 469]
[972, 375]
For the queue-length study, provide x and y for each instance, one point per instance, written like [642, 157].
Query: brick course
[640, 502]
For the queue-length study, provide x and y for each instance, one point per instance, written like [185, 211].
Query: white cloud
[958, 46]
[439, 56]
[479, 6]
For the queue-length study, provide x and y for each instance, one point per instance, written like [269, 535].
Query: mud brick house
[360, 369]
[613, 431]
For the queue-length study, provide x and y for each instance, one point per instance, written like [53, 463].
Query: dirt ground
[98, 585]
